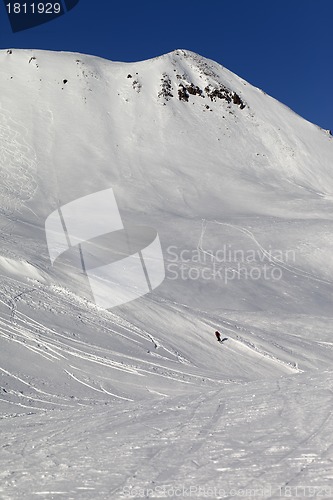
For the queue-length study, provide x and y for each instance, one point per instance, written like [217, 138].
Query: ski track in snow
[239, 339]
[17, 158]
[266, 253]
[210, 440]
[57, 347]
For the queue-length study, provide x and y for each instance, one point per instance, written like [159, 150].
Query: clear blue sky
[281, 46]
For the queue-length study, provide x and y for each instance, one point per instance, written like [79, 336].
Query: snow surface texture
[140, 400]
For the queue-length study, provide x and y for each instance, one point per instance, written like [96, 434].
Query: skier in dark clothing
[218, 336]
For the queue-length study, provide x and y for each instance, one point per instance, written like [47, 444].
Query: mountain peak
[186, 75]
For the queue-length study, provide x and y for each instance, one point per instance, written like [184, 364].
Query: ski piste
[241, 198]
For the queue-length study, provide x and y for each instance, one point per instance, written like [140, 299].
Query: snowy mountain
[240, 191]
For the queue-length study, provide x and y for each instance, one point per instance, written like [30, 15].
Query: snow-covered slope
[240, 191]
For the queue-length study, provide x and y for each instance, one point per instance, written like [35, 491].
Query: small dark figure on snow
[218, 336]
